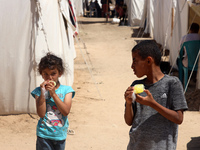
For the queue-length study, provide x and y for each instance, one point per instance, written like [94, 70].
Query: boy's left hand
[147, 100]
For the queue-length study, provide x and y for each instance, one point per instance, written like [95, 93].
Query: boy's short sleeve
[177, 95]
[36, 92]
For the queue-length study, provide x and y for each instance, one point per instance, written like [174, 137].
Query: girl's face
[139, 65]
[48, 74]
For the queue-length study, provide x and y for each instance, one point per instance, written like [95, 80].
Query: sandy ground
[102, 73]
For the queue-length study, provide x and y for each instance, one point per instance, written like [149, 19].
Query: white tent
[29, 29]
[165, 21]
[78, 6]
[135, 10]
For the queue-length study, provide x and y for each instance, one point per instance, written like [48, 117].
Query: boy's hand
[147, 100]
[128, 95]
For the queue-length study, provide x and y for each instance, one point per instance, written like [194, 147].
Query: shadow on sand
[94, 22]
[139, 34]
[194, 144]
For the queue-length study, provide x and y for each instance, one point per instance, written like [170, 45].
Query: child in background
[53, 103]
[156, 113]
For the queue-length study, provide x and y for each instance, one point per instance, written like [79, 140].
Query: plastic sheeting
[23, 42]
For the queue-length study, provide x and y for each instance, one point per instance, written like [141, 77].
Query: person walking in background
[98, 8]
[156, 113]
[105, 7]
[53, 104]
[121, 9]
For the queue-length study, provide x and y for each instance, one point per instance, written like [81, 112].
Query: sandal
[70, 132]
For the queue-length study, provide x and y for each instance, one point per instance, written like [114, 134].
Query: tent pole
[107, 10]
[172, 22]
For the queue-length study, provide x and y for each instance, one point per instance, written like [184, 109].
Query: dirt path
[98, 118]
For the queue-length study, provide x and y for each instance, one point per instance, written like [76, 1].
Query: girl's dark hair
[51, 61]
[148, 48]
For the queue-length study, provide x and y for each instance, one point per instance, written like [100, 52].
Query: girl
[53, 103]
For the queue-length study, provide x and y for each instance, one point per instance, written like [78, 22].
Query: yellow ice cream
[53, 82]
[138, 88]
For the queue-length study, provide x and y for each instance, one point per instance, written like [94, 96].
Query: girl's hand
[128, 95]
[147, 100]
[50, 86]
[43, 84]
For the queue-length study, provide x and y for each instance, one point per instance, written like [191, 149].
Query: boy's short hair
[148, 48]
[194, 27]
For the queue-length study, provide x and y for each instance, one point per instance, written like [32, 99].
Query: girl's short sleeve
[36, 91]
[70, 90]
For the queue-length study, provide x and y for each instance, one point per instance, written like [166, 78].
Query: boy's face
[51, 74]
[139, 65]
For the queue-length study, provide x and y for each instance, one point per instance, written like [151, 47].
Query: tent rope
[84, 44]
[86, 51]
[90, 71]
[39, 10]
[192, 71]
[87, 64]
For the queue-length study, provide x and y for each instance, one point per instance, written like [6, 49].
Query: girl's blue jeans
[46, 144]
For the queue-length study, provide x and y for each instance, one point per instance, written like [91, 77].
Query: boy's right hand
[128, 95]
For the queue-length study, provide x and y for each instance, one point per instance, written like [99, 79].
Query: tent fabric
[78, 5]
[158, 18]
[57, 40]
[26, 36]
[179, 29]
[135, 11]
[16, 45]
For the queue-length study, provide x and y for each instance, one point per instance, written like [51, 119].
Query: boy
[156, 113]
